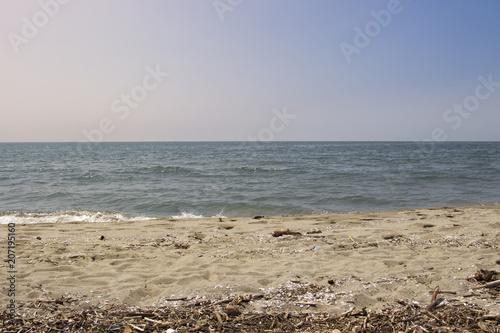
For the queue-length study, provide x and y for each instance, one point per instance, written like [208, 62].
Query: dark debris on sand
[230, 315]
[55, 316]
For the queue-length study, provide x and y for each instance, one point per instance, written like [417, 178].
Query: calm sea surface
[56, 182]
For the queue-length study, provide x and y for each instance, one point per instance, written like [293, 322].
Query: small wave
[255, 169]
[322, 212]
[187, 215]
[66, 216]
[166, 169]
[92, 176]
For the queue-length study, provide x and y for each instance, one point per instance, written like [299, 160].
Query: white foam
[67, 216]
[187, 215]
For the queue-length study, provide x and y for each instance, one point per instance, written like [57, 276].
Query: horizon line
[239, 141]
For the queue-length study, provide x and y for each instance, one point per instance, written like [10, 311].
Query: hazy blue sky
[85, 70]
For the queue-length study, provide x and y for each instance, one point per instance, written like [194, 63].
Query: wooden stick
[306, 303]
[135, 327]
[444, 292]
[152, 320]
[229, 300]
[278, 233]
[175, 299]
[432, 304]
[489, 285]
[219, 318]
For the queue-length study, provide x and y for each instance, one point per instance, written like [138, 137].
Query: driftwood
[208, 317]
[278, 233]
[489, 285]
[432, 304]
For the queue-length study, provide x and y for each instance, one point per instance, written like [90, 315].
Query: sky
[237, 70]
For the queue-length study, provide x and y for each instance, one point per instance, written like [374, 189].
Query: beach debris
[312, 232]
[219, 318]
[392, 236]
[487, 327]
[102, 237]
[258, 217]
[485, 275]
[278, 233]
[137, 328]
[306, 303]
[180, 245]
[232, 311]
[220, 219]
[432, 305]
[208, 317]
[199, 236]
[175, 299]
[489, 285]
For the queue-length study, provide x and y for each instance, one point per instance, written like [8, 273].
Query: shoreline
[103, 216]
[338, 262]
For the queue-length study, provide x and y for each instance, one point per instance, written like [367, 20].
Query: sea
[125, 181]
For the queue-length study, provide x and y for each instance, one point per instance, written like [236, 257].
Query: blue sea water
[54, 182]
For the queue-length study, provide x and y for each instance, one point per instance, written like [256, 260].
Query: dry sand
[339, 262]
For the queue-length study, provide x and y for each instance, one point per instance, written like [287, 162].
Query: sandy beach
[315, 264]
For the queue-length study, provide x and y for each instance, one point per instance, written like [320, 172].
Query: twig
[136, 327]
[306, 303]
[491, 317]
[366, 321]
[433, 304]
[219, 318]
[278, 233]
[142, 314]
[229, 300]
[175, 299]
[153, 321]
[444, 292]
[347, 313]
[489, 285]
